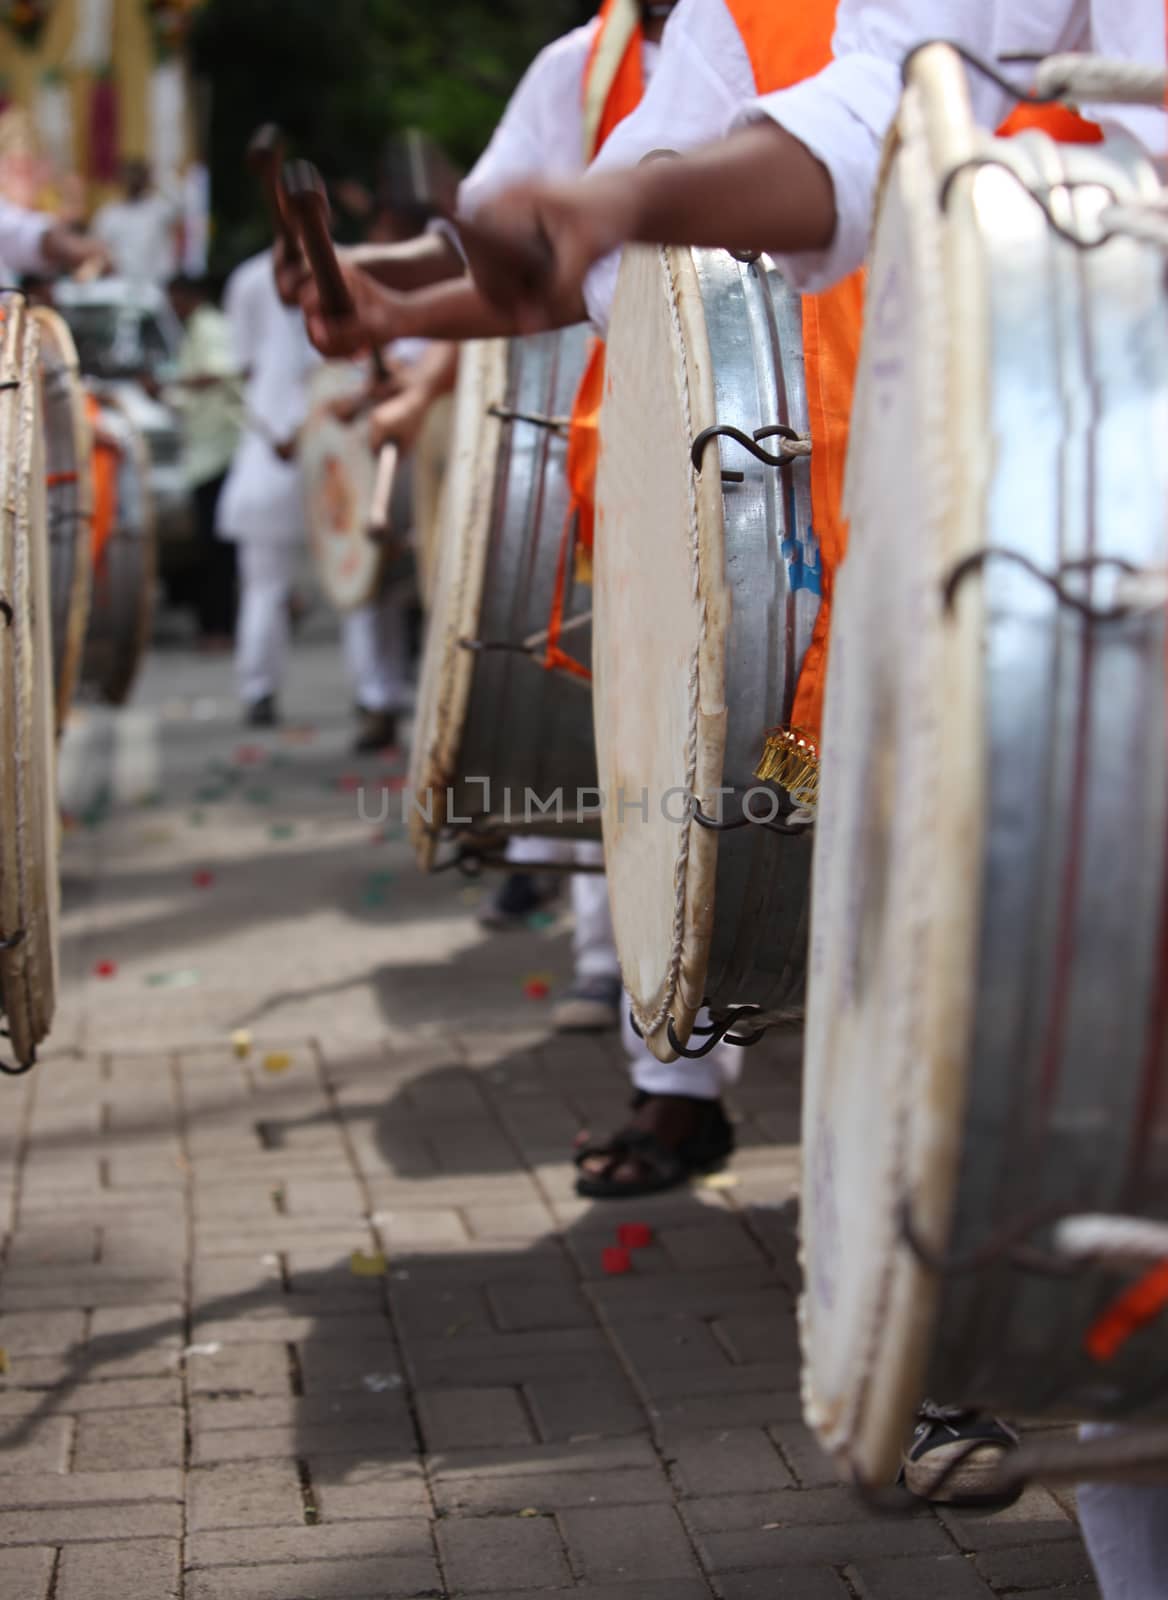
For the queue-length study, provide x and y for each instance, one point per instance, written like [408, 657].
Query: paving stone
[43, 1446]
[78, 1398]
[913, 1578]
[675, 1344]
[1036, 1518]
[799, 1448]
[463, 1418]
[31, 1333]
[146, 1569]
[501, 1554]
[810, 1545]
[500, 1494]
[35, 1490]
[1038, 1566]
[785, 1509]
[26, 1574]
[395, 1539]
[259, 1369]
[798, 1583]
[110, 1441]
[378, 1440]
[622, 1544]
[753, 1338]
[254, 1494]
[563, 1455]
[347, 1489]
[736, 1461]
[85, 1524]
[364, 1579]
[519, 1309]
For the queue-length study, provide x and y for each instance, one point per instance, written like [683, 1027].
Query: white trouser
[376, 652]
[1125, 1526]
[266, 570]
[596, 957]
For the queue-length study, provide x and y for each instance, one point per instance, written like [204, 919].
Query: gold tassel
[790, 758]
[583, 565]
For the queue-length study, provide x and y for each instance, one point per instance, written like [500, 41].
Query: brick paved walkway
[324, 1321]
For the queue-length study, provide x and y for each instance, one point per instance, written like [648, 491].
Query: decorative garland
[25, 18]
[170, 23]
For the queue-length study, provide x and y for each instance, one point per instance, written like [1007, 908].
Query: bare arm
[68, 251]
[453, 310]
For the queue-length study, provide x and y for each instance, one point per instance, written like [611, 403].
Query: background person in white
[141, 231]
[261, 508]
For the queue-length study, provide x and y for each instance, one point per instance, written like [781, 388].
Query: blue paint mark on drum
[804, 564]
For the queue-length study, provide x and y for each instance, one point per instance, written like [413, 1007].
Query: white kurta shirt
[704, 84]
[22, 235]
[262, 498]
[140, 235]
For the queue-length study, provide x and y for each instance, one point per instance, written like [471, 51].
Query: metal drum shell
[124, 576]
[493, 725]
[985, 1048]
[68, 450]
[29, 842]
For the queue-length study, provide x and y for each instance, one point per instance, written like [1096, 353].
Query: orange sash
[623, 88]
[105, 483]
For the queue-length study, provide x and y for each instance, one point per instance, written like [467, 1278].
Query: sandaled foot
[671, 1139]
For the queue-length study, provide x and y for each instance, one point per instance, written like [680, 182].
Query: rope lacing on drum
[1062, 79]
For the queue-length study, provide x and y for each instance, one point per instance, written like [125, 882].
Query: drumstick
[265, 157]
[378, 523]
[419, 175]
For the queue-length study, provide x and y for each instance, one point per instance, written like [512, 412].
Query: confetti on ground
[4, 1364]
[472, 897]
[68, 822]
[635, 1235]
[363, 1264]
[153, 797]
[208, 797]
[281, 830]
[185, 978]
[541, 919]
[106, 969]
[538, 985]
[241, 1043]
[277, 1061]
[719, 1180]
[302, 735]
[211, 1349]
[202, 879]
[381, 1382]
[616, 1261]
[394, 785]
[350, 782]
[530, 1511]
[198, 819]
[151, 836]
[249, 755]
[259, 797]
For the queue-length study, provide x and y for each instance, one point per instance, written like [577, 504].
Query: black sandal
[706, 1150]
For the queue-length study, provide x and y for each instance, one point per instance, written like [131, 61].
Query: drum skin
[985, 1044]
[68, 451]
[706, 598]
[29, 875]
[339, 473]
[122, 596]
[431, 457]
[493, 725]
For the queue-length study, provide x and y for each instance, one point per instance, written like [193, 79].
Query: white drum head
[461, 557]
[339, 475]
[29, 882]
[662, 613]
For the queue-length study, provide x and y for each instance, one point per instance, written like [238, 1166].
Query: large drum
[502, 744]
[124, 557]
[29, 885]
[68, 458]
[986, 1030]
[353, 561]
[706, 597]
[431, 457]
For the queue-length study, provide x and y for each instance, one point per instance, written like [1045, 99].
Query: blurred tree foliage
[340, 76]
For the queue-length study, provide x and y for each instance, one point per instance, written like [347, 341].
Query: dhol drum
[502, 745]
[124, 557]
[68, 456]
[340, 475]
[431, 457]
[985, 1054]
[29, 882]
[707, 590]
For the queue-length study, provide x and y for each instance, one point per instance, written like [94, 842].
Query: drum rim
[29, 881]
[55, 331]
[326, 384]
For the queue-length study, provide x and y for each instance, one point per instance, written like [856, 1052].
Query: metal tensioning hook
[307, 201]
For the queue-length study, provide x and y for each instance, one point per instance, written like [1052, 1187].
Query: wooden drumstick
[308, 203]
[265, 157]
[378, 526]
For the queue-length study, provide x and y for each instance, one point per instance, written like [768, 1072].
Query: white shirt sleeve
[22, 235]
[542, 130]
[843, 114]
[702, 79]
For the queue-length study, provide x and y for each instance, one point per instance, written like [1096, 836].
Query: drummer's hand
[375, 319]
[286, 449]
[575, 222]
[399, 421]
[347, 408]
[291, 274]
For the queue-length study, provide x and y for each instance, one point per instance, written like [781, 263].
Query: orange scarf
[614, 85]
[105, 483]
